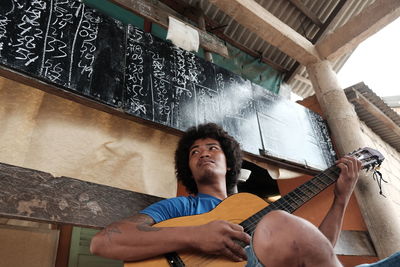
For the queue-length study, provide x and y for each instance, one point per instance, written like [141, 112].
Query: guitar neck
[296, 198]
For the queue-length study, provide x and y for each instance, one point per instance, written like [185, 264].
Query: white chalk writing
[88, 32]
[135, 35]
[134, 73]
[29, 34]
[4, 21]
[160, 86]
[56, 43]
[180, 75]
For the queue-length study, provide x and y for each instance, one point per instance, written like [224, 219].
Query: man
[207, 162]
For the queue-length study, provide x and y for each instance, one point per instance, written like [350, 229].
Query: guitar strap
[377, 175]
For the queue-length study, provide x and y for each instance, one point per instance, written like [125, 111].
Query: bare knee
[282, 239]
[279, 220]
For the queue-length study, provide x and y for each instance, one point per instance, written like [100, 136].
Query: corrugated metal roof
[387, 133]
[353, 8]
[293, 17]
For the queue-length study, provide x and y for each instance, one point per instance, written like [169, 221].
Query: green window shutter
[80, 256]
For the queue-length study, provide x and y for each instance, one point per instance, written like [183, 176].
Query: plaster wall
[51, 134]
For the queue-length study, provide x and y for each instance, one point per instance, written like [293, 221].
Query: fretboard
[296, 198]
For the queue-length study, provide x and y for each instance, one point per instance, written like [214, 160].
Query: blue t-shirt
[181, 206]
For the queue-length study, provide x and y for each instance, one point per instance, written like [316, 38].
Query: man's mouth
[205, 162]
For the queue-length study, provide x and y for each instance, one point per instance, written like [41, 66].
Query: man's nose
[204, 153]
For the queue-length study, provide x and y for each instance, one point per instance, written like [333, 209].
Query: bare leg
[282, 239]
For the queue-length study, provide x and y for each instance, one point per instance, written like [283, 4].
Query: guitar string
[204, 259]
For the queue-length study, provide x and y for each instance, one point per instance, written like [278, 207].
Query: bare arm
[332, 223]
[135, 239]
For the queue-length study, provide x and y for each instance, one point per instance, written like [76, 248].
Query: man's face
[207, 159]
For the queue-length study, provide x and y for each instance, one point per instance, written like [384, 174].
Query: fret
[249, 229]
[335, 170]
[313, 187]
[277, 205]
[287, 206]
[317, 184]
[329, 178]
[323, 181]
[307, 190]
[321, 184]
[250, 224]
[294, 198]
[284, 205]
[303, 196]
[332, 173]
[263, 212]
[253, 220]
[247, 226]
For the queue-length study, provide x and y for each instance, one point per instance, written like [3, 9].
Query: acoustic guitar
[247, 210]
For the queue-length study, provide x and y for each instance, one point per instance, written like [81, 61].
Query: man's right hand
[136, 238]
[218, 238]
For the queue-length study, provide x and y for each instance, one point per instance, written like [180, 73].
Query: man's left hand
[349, 170]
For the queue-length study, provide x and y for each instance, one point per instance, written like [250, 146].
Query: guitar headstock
[370, 158]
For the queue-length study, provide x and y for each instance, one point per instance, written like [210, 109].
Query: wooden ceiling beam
[258, 20]
[158, 14]
[359, 28]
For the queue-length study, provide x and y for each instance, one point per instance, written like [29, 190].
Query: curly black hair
[229, 145]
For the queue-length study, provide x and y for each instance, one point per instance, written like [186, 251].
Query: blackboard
[80, 50]
[64, 43]
[305, 139]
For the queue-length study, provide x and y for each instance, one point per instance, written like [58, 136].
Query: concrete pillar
[378, 211]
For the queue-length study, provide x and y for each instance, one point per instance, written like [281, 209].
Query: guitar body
[235, 209]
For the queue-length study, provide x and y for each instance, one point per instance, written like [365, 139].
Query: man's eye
[194, 152]
[214, 148]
